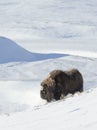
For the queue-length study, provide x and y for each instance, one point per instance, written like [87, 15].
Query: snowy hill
[11, 52]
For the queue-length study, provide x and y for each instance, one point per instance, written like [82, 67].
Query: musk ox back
[59, 83]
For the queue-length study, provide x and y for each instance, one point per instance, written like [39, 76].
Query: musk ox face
[47, 89]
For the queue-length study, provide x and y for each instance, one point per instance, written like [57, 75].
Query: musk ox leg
[66, 93]
[81, 89]
[57, 95]
[62, 96]
[48, 100]
[57, 92]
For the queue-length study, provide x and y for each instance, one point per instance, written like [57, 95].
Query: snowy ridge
[11, 52]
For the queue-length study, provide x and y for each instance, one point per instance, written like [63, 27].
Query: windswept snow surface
[48, 18]
[11, 52]
[77, 112]
[51, 34]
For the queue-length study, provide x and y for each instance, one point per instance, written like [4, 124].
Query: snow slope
[11, 52]
[74, 113]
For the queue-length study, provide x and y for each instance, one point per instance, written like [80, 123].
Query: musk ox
[59, 83]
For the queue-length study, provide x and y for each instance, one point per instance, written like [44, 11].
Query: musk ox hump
[55, 73]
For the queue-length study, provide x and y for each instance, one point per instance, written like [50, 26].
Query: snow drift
[12, 52]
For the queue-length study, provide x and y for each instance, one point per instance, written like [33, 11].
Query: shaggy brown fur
[60, 82]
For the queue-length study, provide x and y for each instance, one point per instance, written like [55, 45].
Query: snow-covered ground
[37, 36]
[78, 112]
[49, 19]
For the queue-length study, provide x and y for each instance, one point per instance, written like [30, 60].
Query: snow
[75, 112]
[35, 38]
[15, 53]
[49, 19]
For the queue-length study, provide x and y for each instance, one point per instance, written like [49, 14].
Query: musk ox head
[47, 89]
